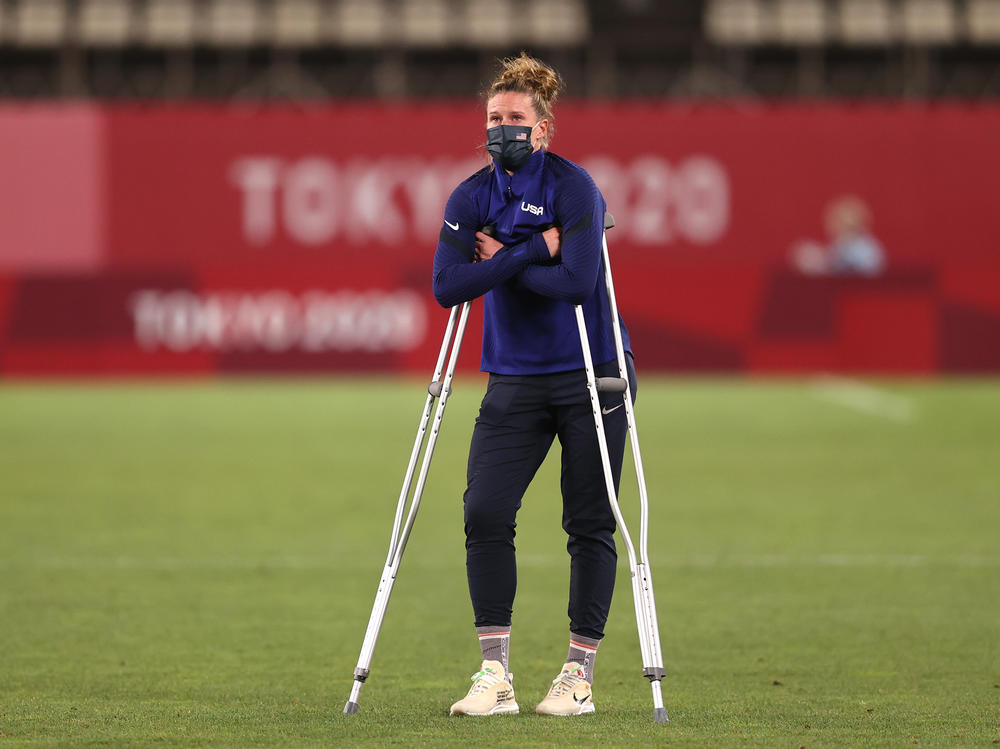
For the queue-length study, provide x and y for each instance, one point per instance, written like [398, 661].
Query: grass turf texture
[194, 564]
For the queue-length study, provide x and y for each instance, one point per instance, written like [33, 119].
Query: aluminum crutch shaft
[655, 662]
[439, 389]
[642, 584]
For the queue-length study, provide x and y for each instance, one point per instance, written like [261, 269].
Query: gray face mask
[510, 145]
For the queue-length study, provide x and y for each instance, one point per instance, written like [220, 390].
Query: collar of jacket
[524, 177]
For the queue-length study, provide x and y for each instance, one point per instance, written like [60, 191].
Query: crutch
[642, 582]
[438, 389]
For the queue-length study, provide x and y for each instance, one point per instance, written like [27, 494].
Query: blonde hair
[528, 75]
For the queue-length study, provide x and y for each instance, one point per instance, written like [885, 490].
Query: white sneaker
[492, 692]
[570, 694]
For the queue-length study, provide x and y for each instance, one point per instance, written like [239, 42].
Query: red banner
[764, 238]
[52, 188]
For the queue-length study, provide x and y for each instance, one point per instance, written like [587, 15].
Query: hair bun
[525, 73]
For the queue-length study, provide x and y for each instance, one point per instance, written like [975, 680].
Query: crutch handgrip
[611, 384]
[609, 220]
[435, 388]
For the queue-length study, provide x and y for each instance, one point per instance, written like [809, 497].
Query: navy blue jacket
[529, 326]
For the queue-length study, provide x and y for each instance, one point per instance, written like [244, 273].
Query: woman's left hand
[486, 246]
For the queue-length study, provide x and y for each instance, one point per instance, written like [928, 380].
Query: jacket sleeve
[457, 278]
[579, 210]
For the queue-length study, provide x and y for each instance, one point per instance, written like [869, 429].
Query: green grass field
[194, 564]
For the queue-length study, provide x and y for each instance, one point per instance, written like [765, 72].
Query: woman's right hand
[553, 239]
[486, 247]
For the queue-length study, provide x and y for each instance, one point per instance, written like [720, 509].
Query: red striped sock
[495, 644]
[583, 650]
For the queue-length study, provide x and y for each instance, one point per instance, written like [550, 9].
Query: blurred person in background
[853, 249]
[544, 257]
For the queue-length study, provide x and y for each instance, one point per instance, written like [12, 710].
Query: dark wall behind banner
[210, 238]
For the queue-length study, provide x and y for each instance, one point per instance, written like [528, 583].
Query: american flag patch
[521, 136]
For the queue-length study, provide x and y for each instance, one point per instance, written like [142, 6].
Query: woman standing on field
[544, 257]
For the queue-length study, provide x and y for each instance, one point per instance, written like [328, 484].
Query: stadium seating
[439, 47]
[233, 23]
[736, 21]
[424, 24]
[982, 21]
[104, 22]
[867, 22]
[361, 23]
[928, 22]
[285, 23]
[852, 22]
[39, 23]
[801, 22]
[556, 23]
[488, 23]
[168, 23]
[298, 23]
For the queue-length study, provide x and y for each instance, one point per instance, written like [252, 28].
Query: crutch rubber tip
[611, 384]
[352, 707]
[435, 388]
[659, 715]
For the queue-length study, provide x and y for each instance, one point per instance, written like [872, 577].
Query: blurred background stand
[396, 49]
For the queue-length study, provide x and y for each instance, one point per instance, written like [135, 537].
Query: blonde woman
[540, 256]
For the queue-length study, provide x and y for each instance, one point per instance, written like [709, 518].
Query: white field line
[865, 398]
[704, 561]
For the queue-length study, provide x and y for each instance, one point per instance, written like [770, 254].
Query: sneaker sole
[496, 710]
[584, 710]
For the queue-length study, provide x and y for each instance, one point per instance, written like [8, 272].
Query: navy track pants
[519, 417]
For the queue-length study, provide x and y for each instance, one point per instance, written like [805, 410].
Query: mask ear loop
[540, 144]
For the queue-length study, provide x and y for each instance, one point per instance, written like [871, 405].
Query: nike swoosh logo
[578, 701]
[607, 410]
[451, 225]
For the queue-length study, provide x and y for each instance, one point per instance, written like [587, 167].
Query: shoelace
[483, 680]
[566, 681]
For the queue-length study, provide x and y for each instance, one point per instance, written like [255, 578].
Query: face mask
[510, 145]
